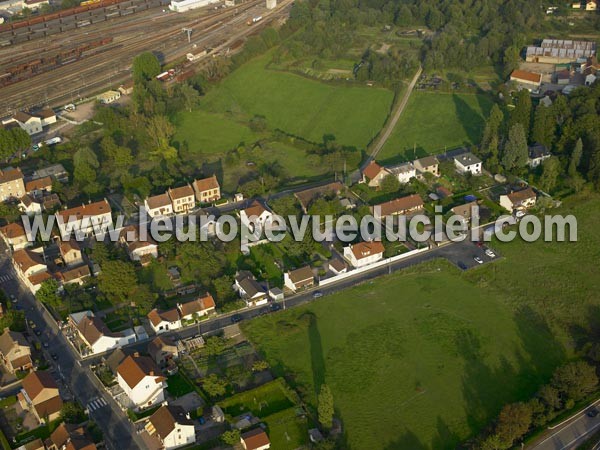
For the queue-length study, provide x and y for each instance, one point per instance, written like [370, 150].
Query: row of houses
[174, 318]
[183, 199]
[32, 194]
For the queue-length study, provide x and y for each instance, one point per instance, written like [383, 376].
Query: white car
[478, 260]
[490, 253]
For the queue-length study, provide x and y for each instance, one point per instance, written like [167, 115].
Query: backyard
[435, 121]
[472, 330]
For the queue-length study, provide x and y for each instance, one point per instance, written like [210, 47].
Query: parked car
[478, 260]
[13, 298]
[490, 253]
[275, 307]
[236, 318]
[462, 265]
[318, 294]
[54, 356]
[592, 412]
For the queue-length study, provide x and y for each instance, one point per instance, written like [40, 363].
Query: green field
[301, 106]
[425, 358]
[433, 121]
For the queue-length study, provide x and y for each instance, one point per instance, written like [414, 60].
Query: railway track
[111, 65]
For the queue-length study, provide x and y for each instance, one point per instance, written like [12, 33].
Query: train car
[90, 2]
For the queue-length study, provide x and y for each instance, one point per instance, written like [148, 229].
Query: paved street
[84, 385]
[570, 435]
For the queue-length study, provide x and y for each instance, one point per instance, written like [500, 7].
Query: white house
[11, 184]
[31, 124]
[158, 206]
[182, 198]
[163, 321]
[255, 439]
[468, 163]
[85, 219]
[142, 381]
[364, 253]
[337, 266]
[256, 217]
[538, 153]
[302, 278]
[404, 172]
[518, 201]
[30, 268]
[15, 236]
[590, 79]
[172, 427]
[249, 289]
[96, 335]
[136, 248]
[202, 306]
[29, 206]
[374, 174]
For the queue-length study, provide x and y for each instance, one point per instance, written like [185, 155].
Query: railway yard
[92, 49]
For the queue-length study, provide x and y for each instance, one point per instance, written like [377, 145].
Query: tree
[521, 114]
[71, 412]
[48, 294]
[145, 67]
[325, 407]
[260, 365]
[189, 95]
[492, 130]
[144, 299]
[544, 126]
[551, 171]
[231, 437]
[214, 386]
[515, 150]
[575, 380]
[161, 131]
[550, 397]
[575, 158]
[390, 184]
[215, 345]
[513, 422]
[117, 280]
[9, 212]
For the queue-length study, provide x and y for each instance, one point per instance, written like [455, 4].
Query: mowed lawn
[432, 121]
[301, 106]
[415, 360]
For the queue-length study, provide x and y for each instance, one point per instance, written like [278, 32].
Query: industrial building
[559, 51]
[186, 5]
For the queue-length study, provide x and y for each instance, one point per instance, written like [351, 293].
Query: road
[570, 435]
[84, 385]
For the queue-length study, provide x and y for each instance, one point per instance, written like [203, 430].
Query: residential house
[69, 437]
[163, 321]
[428, 164]
[29, 206]
[137, 249]
[74, 275]
[249, 289]
[255, 218]
[97, 337]
[172, 427]
[36, 444]
[38, 187]
[11, 184]
[364, 253]
[127, 88]
[30, 268]
[162, 350]
[142, 381]
[159, 206]
[47, 116]
[55, 171]
[443, 192]
[404, 172]
[202, 306]
[468, 163]
[302, 278]
[70, 252]
[590, 79]
[15, 351]
[276, 294]
[591, 5]
[527, 80]
[400, 206]
[50, 202]
[31, 124]
[15, 236]
[182, 198]
[40, 395]
[538, 153]
[338, 266]
[467, 212]
[85, 219]
[207, 189]
[255, 439]
[307, 196]
[518, 201]
[374, 174]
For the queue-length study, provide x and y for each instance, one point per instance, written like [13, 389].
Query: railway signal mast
[189, 33]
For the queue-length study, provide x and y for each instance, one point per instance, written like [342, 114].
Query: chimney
[187, 416]
[136, 355]
[151, 373]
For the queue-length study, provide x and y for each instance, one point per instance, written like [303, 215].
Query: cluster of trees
[386, 68]
[13, 140]
[569, 128]
[569, 384]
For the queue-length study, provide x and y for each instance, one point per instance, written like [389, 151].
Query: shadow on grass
[469, 119]
[317, 358]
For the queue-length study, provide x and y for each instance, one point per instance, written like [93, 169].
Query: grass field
[424, 358]
[301, 106]
[434, 120]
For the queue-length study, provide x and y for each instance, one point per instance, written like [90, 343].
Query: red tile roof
[366, 249]
[527, 76]
[401, 205]
[372, 170]
[89, 210]
[206, 184]
[134, 368]
[255, 439]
